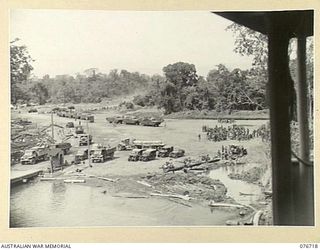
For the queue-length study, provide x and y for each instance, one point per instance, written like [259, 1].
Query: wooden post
[52, 127]
[279, 98]
[302, 100]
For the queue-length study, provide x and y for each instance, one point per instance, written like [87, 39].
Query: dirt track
[181, 133]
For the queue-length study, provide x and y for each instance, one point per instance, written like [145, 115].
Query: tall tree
[181, 75]
[255, 44]
[251, 43]
[40, 91]
[20, 69]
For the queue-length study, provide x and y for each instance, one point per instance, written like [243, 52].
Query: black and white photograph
[161, 118]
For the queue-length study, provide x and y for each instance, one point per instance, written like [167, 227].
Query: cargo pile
[252, 175]
[189, 184]
[25, 138]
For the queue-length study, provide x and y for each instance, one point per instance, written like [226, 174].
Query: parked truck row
[134, 120]
[41, 153]
[149, 150]
[71, 113]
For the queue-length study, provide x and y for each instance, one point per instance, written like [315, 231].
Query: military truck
[77, 115]
[148, 155]
[88, 117]
[34, 155]
[81, 155]
[61, 112]
[125, 144]
[100, 153]
[72, 114]
[115, 119]
[176, 153]
[65, 113]
[32, 110]
[70, 125]
[131, 120]
[135, 154]
[79, 130]
[165, 151]
[150, 122]
[84, 139]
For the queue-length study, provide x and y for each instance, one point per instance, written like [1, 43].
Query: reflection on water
[57, 195]
[56, 204]
[47, 204]
[237, 186]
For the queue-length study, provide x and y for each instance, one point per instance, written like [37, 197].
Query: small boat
[216, 204]
[240, 193]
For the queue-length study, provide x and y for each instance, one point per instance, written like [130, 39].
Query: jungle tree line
[179, 88]
[223, 90]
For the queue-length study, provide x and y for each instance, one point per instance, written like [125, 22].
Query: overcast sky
[68, 42]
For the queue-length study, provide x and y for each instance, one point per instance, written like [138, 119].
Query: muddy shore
[143, 179]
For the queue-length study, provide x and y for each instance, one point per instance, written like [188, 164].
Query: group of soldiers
[232, 152]
[234, 132]
[264, 132]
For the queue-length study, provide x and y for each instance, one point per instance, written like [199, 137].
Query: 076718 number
[307, 246]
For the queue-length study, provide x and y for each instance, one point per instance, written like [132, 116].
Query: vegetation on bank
[212, 114]
[179, 90]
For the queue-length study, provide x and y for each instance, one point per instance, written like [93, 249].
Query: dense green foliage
[82, 88]
[20, 69]
[252, 43]
[179, 88]
[93, 88]
[222, 90]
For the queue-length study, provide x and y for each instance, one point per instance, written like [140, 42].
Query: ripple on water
[51, 204]
[234, 187]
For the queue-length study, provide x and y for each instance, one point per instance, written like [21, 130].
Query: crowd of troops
[235, 132]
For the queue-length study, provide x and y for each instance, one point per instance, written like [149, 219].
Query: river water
[56, 204]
